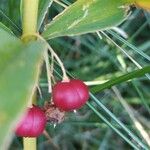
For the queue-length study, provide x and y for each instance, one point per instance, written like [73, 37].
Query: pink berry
[32, 124]
[70, 95]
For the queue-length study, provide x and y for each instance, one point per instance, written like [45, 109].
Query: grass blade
[111, 126]
[135, 138]
[129, 45]
[10, 21]
[43, 8]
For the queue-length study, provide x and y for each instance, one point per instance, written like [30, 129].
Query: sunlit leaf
[87, 16]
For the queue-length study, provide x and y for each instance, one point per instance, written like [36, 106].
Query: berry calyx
[70, 95]
[53, 114]
[32, 124]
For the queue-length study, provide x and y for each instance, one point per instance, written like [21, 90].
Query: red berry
[70, 95]
[32, 124]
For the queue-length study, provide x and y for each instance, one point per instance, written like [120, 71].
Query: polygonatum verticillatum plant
[21, 60]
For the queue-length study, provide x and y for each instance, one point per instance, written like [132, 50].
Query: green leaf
[20, 67]
[134, 138]
[5, 28]
[43, 9]
[86, 16]
[129, 45]
[134, 74]
[10, 22]
[111, 125]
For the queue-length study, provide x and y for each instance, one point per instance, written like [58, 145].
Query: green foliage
[20, 67]
[5, 28]
[86, 57]
[123, 78]
[43, 8]
[86, 16]
[9, 18]
[115, 129]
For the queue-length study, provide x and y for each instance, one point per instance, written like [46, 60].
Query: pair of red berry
[67, 96]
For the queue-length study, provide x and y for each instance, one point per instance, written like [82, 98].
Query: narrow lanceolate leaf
[43, 8]
[134, 74]
[19, 70]
[5, 28]
[86, 16]
[10, 22]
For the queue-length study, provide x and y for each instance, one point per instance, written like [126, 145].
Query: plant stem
[30, 12]
[29, 143]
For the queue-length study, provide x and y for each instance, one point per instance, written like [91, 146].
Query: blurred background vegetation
[95, 57]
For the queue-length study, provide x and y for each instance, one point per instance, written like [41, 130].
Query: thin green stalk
[135, 138]
[112, 127]
[143, 100]
[129, 45]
